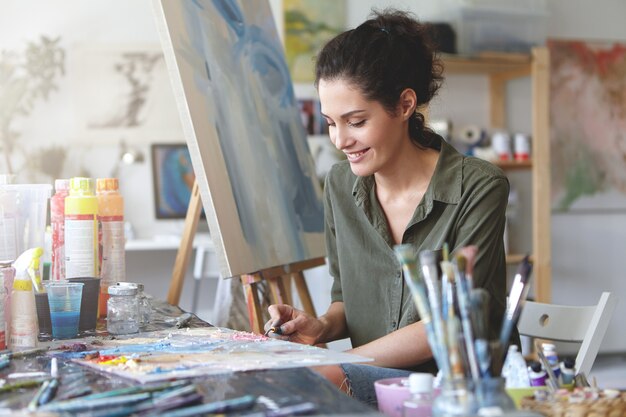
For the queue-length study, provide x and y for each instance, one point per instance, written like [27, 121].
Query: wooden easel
[278, 278]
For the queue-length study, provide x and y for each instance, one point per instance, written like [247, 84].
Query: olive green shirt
[464, 204]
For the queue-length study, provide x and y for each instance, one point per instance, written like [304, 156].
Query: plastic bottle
[567, 373]
[111, 218]
[24, 328]
[8, 221]
[421, 402]
[515, 370]
[3, 324]
[81, 230]
[537, 375]
[7, 273]
[57, 221]
[549, 351]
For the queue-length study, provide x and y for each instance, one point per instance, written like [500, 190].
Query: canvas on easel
[248, 147]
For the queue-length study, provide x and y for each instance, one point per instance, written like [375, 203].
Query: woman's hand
[294, 325]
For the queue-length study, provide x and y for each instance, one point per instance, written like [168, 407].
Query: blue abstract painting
[243, 129]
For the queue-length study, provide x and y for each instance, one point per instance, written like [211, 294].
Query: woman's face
[370, 137]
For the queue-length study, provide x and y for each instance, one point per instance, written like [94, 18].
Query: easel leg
[303, 293]
[252, 299]
[186, 246]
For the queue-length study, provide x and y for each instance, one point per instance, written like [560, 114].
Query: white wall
[587, 249]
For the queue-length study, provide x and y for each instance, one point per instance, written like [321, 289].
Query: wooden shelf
[512, 165]
[500, 68]
[509, 65]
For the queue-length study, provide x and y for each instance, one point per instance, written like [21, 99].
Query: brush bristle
[428, 257]
[461, 262]
[404, 253]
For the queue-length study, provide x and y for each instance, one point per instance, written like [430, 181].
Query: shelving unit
[501, 68]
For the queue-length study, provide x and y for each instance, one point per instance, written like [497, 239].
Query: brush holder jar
[492, 396]
[123, 309]
[456, 398]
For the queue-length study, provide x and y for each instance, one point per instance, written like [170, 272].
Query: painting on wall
[172, 180]
[588, 125]
[123, 91]
[244, 132]
[309, 24]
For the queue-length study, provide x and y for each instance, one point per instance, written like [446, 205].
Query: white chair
[586, 325]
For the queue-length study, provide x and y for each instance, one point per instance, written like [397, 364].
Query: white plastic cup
[23, 214]
[522, 147]
[501, 144]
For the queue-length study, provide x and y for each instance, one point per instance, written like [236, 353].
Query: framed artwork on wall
[588, 121]
[122, 91]
[172, 179]
[309, 24]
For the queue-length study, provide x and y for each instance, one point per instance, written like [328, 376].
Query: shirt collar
[445, 185]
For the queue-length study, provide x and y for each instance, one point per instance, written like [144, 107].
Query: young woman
[401, 183]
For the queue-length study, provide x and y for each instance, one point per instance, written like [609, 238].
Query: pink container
[391, 394]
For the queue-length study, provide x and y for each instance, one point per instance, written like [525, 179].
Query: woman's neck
[411, 173]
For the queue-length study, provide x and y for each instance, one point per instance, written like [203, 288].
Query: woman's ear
[408, 103]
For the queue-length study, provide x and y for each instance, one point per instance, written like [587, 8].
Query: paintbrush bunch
[455, 313]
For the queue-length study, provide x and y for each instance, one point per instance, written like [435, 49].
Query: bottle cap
[535, 366]
[513, 348]
[107, 184]
[420, 383]
[81, 186]
[137, 285]
[569, 363]
[122, 289]
[61, 184]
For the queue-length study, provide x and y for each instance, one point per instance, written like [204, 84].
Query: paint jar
[111, 220]
[81, 229]
[3, 324]
[57, 221]
[501, 144]
[143, 302]
[122, 309]
[521, 146]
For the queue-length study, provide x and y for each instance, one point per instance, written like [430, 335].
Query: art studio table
[279, 385]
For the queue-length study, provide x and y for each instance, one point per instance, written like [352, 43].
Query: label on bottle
[113, 266]
[80, 246]
[8, 238]
[23, 332]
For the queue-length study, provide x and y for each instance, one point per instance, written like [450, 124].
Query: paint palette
[188, 353]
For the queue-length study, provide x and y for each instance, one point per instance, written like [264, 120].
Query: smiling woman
[401, 184]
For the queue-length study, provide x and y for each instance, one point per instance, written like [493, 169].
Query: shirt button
[399, 274]
[393, 324]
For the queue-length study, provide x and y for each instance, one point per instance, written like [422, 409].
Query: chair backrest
[586, 325]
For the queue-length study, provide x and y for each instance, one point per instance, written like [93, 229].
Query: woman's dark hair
[382, 57]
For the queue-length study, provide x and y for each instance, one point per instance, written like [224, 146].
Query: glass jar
[492, 397]
[143, 301]
[456, 398]
[122, 309]
[145, 306]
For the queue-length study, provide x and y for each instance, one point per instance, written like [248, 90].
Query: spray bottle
[24, 328]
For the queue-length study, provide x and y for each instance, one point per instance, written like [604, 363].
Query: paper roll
[470, 135]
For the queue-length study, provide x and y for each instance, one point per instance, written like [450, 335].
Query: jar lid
[137, 285]
[420, 382]
[122, 289]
